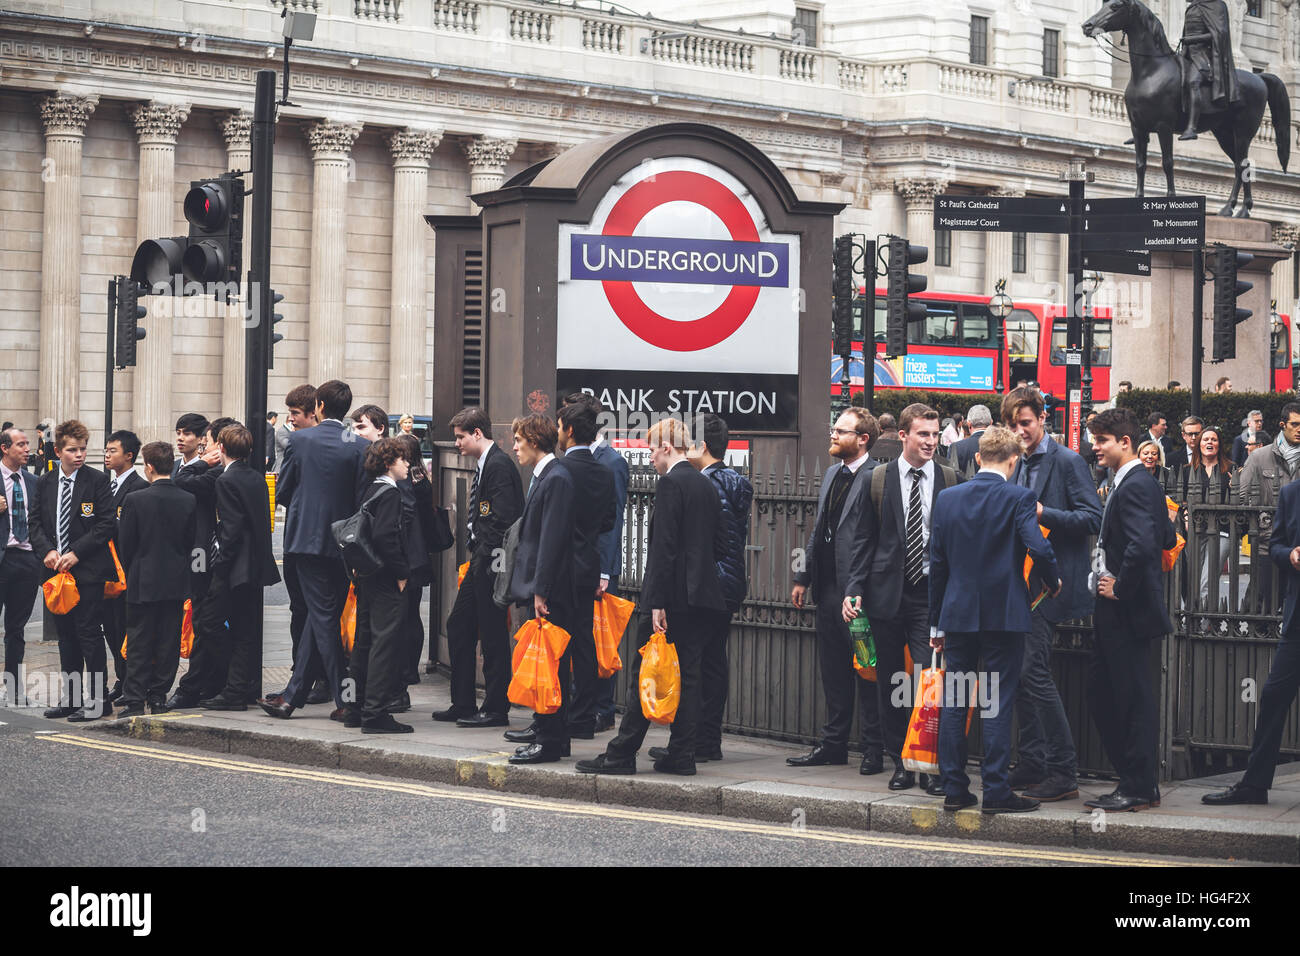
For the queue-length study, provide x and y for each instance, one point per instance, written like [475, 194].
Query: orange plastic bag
[661, 680]
[187, 630]
[348, 620]
[460, 574]
[921, 748]
[61, 593]
[1169, 558]
[608, 622]
[865, 672]
[124, 637]
[536, 665]
[113, 588]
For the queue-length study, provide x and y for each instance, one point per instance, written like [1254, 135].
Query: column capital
[237, 129]
[157, 122]
[921, 191]
[486, 153]
[1286, 234]
[330, 139]
[413, 147]
[1009, 192]
[66, 114]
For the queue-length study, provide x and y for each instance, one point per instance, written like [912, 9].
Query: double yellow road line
[466, 795]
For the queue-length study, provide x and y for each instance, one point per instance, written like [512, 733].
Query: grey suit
[21, 573]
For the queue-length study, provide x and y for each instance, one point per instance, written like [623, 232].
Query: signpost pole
[869, 325]
[1198, 323]
[108, 356]
[1074, 319]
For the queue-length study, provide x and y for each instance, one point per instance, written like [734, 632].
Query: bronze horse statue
[1154, 97]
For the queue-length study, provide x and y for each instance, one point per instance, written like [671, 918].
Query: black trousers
[554, 729]
[1275, 702]
[379, 652]
[476, 619]
[414, 629]
[20, 581]
[1124, 704]
[841, 683]
[81, 646]
[605, 685]
[243, 640]
[153, 650]
[909, 629]
[714, 678]
[209, 656]
[324, 583]
[112, 618]
[688, 631]
[297, 612]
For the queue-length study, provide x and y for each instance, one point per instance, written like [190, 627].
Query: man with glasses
[1259, 483]
[1192, 427]
[1252, 424]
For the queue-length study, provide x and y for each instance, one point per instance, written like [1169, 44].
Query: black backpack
[356, 540]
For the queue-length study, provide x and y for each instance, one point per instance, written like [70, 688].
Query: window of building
[943, 247]
[803, 30]
[1051, 53]
[1254, 8]
[1019, 253]
[979, 40]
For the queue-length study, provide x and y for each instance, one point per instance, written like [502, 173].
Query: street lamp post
[1001, 305]
[1091, 282]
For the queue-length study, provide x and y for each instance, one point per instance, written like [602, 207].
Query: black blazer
[321, 481]
[593, 486]
[200, 480]
[1285, 537]
[91, 527]
[857, 501]
[687, 539]
[499, 503]
[155, 536]
[388, 527]
[41, 545]
[962, 453]
[244, 553]
[881, 551]
[545, 556]
[131, 483]
[1135, 528]
[418, 516]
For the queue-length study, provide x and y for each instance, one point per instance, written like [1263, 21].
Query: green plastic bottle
[864, 645]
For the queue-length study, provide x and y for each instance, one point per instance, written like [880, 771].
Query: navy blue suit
[979, 533]
[611, 560]
[1284, 674]
[21, 573]
[961, 454]
[321, 481]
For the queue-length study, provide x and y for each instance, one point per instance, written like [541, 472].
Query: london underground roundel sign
[679, 272]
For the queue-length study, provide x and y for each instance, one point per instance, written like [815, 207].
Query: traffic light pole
[108, 356]
[1074, 320]
[1198, 327]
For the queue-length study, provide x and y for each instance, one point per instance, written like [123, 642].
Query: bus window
[881, 321]
[939, 327]
[978, 328]
[1281, 348]
[1100, 342]
[1022, 336]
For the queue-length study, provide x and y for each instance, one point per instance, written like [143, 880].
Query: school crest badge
[485, 508]
[87, 510]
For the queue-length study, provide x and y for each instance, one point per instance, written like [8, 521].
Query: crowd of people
[924, 538]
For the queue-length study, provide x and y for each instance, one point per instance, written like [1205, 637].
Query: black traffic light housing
[899, 309]
[214, 209]
[1224, 263]
[842, 323]
[276, 318]
[129, 314]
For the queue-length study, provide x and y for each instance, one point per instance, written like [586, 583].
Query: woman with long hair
[1207, 479]
[1152, 456]
[417, 501]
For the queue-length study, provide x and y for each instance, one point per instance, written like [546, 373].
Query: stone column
[65, 119]
[157, 126]
[331, 147]
[1283, 281]
[236, 128]
[919, 195]
[408, 322]
[487, 163]
[997, 250]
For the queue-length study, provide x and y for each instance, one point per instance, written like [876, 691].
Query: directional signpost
[1109, 235]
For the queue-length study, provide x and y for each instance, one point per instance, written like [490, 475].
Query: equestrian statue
[1197, 90]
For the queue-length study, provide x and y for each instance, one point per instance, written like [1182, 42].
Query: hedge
[894, 400]
[1226, 410]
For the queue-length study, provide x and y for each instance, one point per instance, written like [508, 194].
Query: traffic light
[158, 261]
[129, 314]
[843, 289]
[276, 317]
[215, 211]
[1224, 263]
[899, 310]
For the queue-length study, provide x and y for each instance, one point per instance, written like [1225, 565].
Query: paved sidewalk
[752, 781]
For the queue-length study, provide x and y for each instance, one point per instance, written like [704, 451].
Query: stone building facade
[402, 108]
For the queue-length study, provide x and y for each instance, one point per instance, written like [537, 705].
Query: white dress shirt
[927, 485]
[9, 478]
[67, 486]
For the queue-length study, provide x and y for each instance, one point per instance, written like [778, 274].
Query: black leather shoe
[872, 764]
[158, 706]
[932, 784]
[566, 749]
[536, 753]
[450, 714]
[526, 736]
[704, 755]
[902, 780]
[401, 705]
[115, 694]
[58, 713]
[822, 755]
[320, 694]
[483, 719]
[682, 768]
[135, 711]
[388, 726]
[582, 733]
[961, 802]
[1238, 793]
[1053, 789]
[83, 715]
[221, 702]
[1012, 804]
[276, 707]
[179, 701]
[1024, 777]
[1119, 802]
[602, 764]
[339, 714]
[604, 723]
